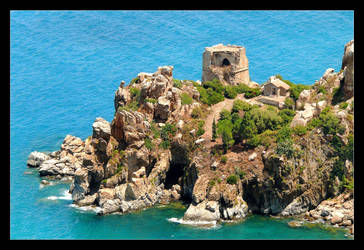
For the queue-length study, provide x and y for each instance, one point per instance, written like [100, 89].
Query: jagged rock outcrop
[59, 163]
[129, 127]
[122, 96]
[348, 69]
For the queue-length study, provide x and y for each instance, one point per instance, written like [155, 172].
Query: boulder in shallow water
[35, 159]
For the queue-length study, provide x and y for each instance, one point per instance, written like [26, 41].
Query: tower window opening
[225, 62]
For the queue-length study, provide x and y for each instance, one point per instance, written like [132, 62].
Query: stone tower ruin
[228, 63]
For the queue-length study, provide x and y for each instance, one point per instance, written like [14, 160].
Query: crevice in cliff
[174, 175]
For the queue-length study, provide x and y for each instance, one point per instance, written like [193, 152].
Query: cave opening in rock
[174, 175]
[225, 62]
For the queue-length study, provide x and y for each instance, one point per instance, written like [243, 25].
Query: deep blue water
[65, 67]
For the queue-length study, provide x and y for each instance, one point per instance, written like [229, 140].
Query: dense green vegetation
[212, 92]
[258, 126]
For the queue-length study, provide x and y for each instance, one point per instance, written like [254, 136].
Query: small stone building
[228, 63]
[276, 87]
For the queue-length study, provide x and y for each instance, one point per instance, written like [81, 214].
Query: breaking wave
[204, 224]
[65, 196]
[86, 208]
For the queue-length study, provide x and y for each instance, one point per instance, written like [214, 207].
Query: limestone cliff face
[152, 152]
[295, 185]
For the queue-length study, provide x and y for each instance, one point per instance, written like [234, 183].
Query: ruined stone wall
[236, 72]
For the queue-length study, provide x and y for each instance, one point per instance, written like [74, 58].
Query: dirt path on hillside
[216, 109]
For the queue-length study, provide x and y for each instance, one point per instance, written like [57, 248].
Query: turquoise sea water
[65, 67]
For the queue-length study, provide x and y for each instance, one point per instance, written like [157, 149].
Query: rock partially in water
[295, 223]
[35, 159]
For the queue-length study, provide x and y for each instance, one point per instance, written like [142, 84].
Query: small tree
[227, 139]
[214, 130]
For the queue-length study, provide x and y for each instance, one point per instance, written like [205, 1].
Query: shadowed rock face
[348, 67]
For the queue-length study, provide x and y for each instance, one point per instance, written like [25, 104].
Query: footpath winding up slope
[216, 109]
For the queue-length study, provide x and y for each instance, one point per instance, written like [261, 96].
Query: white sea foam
[86, 208]
[65, 196]
[205, 224]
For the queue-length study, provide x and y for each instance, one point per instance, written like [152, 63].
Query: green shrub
[253, 141]
[165, 144]
[289, 102]
[314, 123]
[232, 179]
[242, 88]
[227, 139]
[211, 92]
[343, 105]
[321, 89]
[230, 92]
[151, 100]
[148, 144]
[200, 131]
[133, 106]
[285, 148]
[241, 174]
[134, 80]
[265, 119]
[215, 85]
[212, 183]
[272, 108]
[225, 115]
[240, 105]
[134, 92]
[186, 99]
[286, 115]
[266, 138]
[168, 130]
[155, 130]
[299, 130]
[249, 92]
[284, 134]
[296, 90]
[330, 124]
[223, 159]
[252, 93]
[247, 128]
[177, 83]
[224, 128]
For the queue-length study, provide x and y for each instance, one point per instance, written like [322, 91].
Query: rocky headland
[159, 148]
